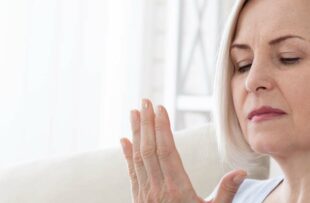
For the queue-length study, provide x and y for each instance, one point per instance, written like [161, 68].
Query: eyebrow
[272, 42]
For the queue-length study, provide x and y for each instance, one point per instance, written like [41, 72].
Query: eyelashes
[289, 61]
[243, 69]
[283, 60]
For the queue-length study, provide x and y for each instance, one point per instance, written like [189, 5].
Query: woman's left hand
[155, 167]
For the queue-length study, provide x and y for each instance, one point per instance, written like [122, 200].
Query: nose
[260, 77]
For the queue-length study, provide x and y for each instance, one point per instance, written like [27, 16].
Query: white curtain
[69, 74]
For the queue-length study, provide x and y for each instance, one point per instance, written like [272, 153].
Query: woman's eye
[244, 68]
[290, 61]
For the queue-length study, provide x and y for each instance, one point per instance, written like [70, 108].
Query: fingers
[154, 164]
[148, 143]
[168, 156]
[127, 150]
[229, 186]
[136, 138]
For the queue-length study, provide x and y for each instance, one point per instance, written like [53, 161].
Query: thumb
[229, 186]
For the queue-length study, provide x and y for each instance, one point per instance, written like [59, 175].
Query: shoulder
[252, 190]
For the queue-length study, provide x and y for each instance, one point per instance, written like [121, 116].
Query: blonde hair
[235, 151]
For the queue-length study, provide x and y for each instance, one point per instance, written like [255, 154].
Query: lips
[265, 111]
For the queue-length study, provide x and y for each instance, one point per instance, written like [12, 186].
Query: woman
[263, 91]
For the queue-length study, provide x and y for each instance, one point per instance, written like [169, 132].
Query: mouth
[265, 113]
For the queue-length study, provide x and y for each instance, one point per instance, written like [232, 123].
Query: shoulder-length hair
[234, 150]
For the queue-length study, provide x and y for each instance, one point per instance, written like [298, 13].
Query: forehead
[266, 19]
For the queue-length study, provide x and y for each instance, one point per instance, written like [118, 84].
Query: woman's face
[271, 57]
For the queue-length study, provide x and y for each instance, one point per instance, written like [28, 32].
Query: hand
[228, 187]
[155, 168]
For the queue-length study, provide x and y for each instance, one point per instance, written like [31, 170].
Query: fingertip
[161, 113]
[126, 147]
[236, 176]
[239, 178]
[229, 185]
[241, 171]
[146, 103]
[159, 110]
[122, 141]
[125, 142]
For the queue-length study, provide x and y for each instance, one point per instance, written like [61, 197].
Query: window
[70, 70]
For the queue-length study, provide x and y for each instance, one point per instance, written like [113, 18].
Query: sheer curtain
[69, 74]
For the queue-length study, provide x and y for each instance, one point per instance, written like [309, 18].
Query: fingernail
[144, 104]
[159, 110]
[239, 179]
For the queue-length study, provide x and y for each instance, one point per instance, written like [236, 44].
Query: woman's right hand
[155, 168]
[228, 187]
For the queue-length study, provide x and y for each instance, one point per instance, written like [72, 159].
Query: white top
[254, 191]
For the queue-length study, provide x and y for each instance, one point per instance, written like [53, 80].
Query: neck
[296, 184]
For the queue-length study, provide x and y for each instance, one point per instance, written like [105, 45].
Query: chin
[263, 145]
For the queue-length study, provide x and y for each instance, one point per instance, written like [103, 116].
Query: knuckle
[160, 125]
[133, 176]
[135, 130]
[163, 152]
[146, 122]
[128, 156]
[137, 159]
[148, 152]
[228, 188]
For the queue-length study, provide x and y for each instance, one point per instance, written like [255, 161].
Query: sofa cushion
[101, 175]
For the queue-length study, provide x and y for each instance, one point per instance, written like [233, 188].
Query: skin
[155, 168]
[278, 75]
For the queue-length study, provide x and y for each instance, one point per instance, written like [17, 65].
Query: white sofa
[101, 176]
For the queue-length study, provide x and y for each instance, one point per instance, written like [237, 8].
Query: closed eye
[290, 61]
[285, 61]
[243, 69]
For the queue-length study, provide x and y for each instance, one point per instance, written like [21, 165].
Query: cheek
[236, 89]
[298, 98]
[238, 95]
